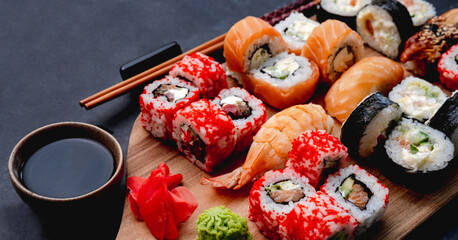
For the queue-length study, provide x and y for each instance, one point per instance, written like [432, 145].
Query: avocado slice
[346, 187]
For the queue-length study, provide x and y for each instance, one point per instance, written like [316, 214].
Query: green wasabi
[220, 223]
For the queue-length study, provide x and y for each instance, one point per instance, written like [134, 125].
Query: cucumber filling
[355, 191]
[173, 93]
[456, 59]
[235, 107]
[191, 142]
[259, 56]
[282, 69]
[285, 191]
[339, 236]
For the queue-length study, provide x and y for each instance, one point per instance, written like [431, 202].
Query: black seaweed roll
[385, 25]
[446, 119]
[342, 10]
[368, 124]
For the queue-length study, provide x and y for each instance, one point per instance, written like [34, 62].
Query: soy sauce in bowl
[68, 168]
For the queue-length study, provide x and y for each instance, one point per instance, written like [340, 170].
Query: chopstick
[139, 79]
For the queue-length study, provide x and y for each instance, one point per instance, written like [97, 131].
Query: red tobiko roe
[160, 202]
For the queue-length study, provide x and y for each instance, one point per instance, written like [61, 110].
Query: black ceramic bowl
[84, 216]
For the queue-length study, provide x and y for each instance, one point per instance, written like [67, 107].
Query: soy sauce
[68, 168]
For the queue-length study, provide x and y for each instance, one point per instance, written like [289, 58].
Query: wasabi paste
[220, 223]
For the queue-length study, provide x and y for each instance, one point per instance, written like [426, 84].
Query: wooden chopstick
[139, 79]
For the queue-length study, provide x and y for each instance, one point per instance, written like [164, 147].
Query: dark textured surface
[55, 53]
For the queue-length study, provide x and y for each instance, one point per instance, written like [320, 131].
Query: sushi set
[307, 130]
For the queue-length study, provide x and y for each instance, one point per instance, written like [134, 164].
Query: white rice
[295, 43]
[303, 73]
[344, 7]
[398, 148]
[384, 36]
[418, 98]
[420, 11]
[375, 207]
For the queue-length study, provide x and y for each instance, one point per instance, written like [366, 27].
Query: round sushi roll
[283, 80]
[246, 111]
[417, 147]
[204, 133]
[335, 47]
[203, 71]
[318, 217]
[273, 196]
[369, 124]
[249, 42]
[448, 68]
[159, 102]
[295, 30]
[316, 154]
[418, 98]
[360, 193]
[420, 11]
[446, 119]
[342, 10]
[385, 25]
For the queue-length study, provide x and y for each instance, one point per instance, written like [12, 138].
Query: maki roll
[318, 217]
[385, 25]
[203, 71]
[204, 133]
[249, 42]
[159, 102]
[295, 30]
[316, 154]
[418, 148]
[342, 10]
[283, 80]
[369, 124]
[273, 196]
[446, 119]
[246, 111]
[334, 47]
[418, 98]
[360, 193]
[420, 11]
[448, 68]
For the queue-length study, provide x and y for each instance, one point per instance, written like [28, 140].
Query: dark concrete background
[55, 53]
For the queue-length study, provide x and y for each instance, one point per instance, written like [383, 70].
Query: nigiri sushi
[271, 145]
[334, 47]
[249, 42]
[365, 77]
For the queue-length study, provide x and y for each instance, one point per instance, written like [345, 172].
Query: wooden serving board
[407, 208]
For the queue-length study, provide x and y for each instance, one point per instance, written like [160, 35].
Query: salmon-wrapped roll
[365, 77]
[249, 42]
[335, 47]
[283, 80]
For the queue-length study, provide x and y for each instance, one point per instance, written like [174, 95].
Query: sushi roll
[420, 11]
[159, 102]
[418, 98]
[342, 10]
[249, 42]
[360, 193]
[315, 155]
[365, 77]
[446, 119]
[203, 71]
[418, 148]
[246, 111]
[334, 47]
[295, 29]
[318, 217]
[448, 68]
[273, 196]
[385, 25]
[369, 124]
[283, 80]
[204, 133]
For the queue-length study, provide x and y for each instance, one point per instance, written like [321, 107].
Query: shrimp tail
[225, 181]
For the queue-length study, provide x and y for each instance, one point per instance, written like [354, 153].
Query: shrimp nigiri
[272, 143]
